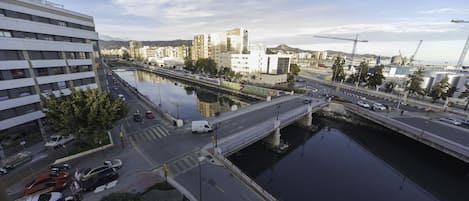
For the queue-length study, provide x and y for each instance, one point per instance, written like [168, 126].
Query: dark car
[137, 117]
[99, 179]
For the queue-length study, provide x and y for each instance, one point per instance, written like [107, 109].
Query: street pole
[278, 110]
[159, 93]
[200, 159]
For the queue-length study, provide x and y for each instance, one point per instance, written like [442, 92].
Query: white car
[363, 104]
[114, 163]
[58, 140]
[3, 171]
[378, 106]
[451, 121]
[52, 196]
[121, 96]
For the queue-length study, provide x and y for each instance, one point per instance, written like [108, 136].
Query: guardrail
[244, 178]
[389, 96]
[450, 147]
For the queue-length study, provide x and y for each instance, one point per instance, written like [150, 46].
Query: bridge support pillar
[307, 120]
[274, 139]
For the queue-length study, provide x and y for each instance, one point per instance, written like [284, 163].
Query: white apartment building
[257, 62]
[43, 49]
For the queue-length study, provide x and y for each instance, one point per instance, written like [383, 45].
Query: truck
[58, 140]
[201, 127]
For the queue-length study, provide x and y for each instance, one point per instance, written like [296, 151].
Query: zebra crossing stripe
[162, 132]
[164, 129]
[152, 134]
[136, 137]
[192, 160]
[177, 167]
[188, 163]
[146, 135]
[158, 133]
[132, 138]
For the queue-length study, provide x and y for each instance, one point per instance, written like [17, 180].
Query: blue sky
[389, 26]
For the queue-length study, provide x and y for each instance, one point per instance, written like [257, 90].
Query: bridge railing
[455, 148]
[246, 179]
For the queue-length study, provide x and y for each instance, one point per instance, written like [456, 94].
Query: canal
[338, 162]
[181, 100]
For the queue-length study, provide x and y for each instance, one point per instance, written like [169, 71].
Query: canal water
[339, 162]
[342, 162]
[183, 101]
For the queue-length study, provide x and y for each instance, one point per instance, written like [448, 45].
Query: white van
[201, 127]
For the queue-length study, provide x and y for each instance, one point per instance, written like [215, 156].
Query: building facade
[44, 49]
[135, 49]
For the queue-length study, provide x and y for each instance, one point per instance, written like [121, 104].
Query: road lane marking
[158, 128]
[153, 135]
[219, 188]
[147, 136]
[164, 129]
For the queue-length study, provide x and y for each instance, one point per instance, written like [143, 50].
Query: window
[62, 84]
[61, 23]
[2, 12]
[17, 15]
[42, 72]
[45, 88]
[74, 69]
[78, 40]
[58, 70]
[35, 55]
[40, 19]
[45, 37]
[10, 55]
[77, 83]
[87, 68]
[70, 55]
[5, 34]
[63, 38]
[30, 35]
[51, 55]
[18, 73]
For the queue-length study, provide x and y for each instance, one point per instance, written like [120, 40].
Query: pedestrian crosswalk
[183, 164]
[149, 134]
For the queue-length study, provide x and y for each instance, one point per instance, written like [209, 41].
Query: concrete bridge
[236, 130]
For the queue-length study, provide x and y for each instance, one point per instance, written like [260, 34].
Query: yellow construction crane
[355, 41]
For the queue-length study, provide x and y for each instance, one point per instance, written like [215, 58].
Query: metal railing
[244, 178]
[443, 144]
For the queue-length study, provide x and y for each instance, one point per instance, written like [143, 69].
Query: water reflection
[180, 99]
[346, 162]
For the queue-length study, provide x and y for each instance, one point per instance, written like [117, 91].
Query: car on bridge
[363, 104]
[451, 120]
[378, 106]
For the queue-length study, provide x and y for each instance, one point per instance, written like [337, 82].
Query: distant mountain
[115, 44]
[285, 49]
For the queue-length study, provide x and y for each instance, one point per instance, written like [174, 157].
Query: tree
[414, 82]
[363, 72]
[189, 64]
[85, 114]
[294, 69]
[465, 94]
[290, 79]
[440, 90]
[206, 65]
[338, 73]
[376, 79]
[238, 76]
[227, 72]
[389, 86]
[121, 197]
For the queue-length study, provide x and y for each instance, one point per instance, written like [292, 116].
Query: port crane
[466, 46]
[411, 60]
[355, 41]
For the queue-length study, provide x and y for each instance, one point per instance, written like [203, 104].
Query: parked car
[52, 196]
[149, 115]
[60, 167]
[121, 96]
[59, 140]
[11, 139]
[114, 163]
[451, 120]
[363, 104]
[464, 121]
[307, 101]
[17, 160]
[3, 171]
[47, 183]
[90, 172]
[98, 179]
[378, 106]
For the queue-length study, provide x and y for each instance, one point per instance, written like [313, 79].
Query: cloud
[440, 11]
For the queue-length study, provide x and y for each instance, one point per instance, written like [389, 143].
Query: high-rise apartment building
[135, 49]
[43, 49]
[200, 46]
[214, 45]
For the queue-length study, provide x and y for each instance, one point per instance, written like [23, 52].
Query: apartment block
[44, 49]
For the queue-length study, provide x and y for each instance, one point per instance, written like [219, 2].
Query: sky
[389, 26]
